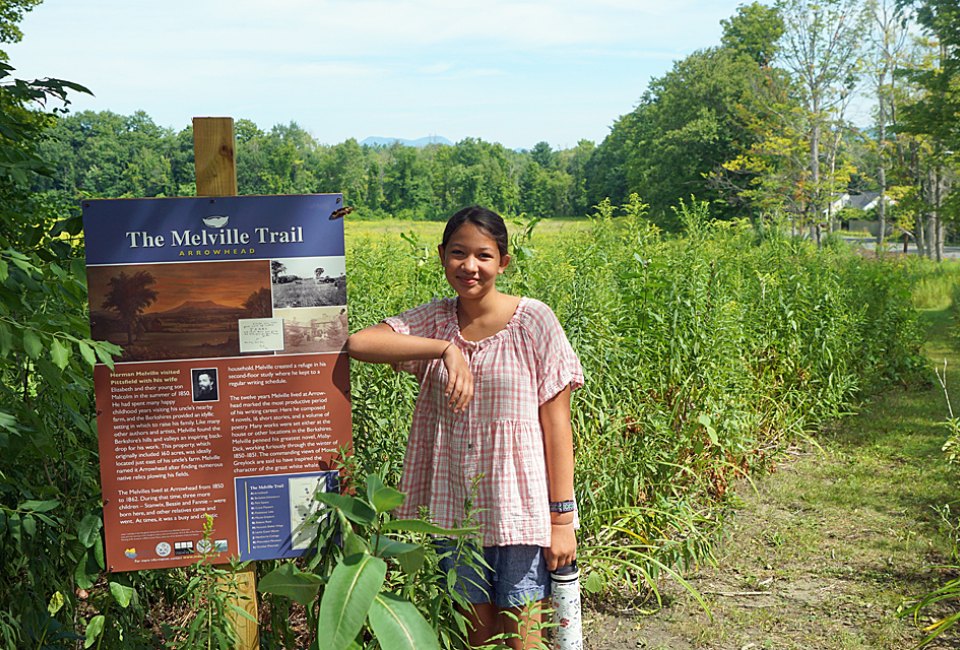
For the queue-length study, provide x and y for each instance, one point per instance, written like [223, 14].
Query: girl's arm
[558, 447]
[381, 344]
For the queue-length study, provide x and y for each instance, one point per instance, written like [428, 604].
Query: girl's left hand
[459, 388]
[563, 546]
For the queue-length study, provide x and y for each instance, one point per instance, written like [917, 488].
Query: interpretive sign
[231, 398]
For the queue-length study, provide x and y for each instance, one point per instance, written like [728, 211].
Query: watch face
[163, 549]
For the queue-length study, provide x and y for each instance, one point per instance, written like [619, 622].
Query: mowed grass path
[823, 552]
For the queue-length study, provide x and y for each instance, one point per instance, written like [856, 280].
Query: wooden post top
[214, 156]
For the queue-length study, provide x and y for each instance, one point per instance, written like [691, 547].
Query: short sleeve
[557, 363]
[420, 321]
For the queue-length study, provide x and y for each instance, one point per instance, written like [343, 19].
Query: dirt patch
[797, 569]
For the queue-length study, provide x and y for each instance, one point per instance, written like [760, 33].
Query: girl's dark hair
[486, 220]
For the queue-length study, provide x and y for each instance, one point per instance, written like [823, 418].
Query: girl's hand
[563, 546]
[459, 388]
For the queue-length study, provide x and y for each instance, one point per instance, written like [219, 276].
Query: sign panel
[231, 398]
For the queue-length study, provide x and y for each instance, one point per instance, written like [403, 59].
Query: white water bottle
[565, 593]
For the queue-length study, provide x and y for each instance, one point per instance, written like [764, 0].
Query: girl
[495, 373]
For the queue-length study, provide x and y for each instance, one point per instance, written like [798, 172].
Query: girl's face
[472, 261]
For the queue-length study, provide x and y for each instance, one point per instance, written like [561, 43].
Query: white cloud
[456, 68]
[436, 68]
[249, 30]
[451, 72]
[427, 22]
[321, 69]
[332, 27]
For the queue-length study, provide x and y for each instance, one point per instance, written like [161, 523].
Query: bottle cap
[567, 570]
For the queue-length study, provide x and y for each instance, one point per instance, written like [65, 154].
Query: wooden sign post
[216, 172]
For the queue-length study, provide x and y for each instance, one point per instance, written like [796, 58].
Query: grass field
[432, 231]
[704, 357]
[825, 552]
[307, 293]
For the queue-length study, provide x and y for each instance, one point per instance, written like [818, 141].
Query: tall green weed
[704, 355]
[934, 284]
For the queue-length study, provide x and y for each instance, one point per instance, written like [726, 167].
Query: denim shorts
[515, 575]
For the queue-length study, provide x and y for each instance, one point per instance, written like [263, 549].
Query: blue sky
[515, 72]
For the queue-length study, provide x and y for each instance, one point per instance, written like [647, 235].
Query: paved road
[949, 252]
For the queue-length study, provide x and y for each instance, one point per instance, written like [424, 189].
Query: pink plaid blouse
[497, 440]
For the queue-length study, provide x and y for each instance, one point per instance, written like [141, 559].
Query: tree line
[103, 154]
[759, 125]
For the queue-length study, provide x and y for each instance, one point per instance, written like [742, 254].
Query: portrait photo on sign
[177, 311]
[205, 385]
[308, 282]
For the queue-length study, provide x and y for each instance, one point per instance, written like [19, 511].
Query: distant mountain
[193, 307]
[377, 141]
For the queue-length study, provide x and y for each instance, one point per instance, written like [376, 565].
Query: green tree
[406, 182]
[282, 161]
[545, 192]
[755, 30]
[935, 114]
[821, 48]
[542, 154]
[49, 492]
[107, 155]
[690, 122]
[11, 13]
[575, 162]
[605, 172]
[938, 112]
[773, 174]
[344, 169]
[888, 52]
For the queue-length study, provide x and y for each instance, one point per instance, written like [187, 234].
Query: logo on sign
[216, 221]
[183, 548]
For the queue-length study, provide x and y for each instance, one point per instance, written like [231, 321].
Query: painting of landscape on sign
[177, 311]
